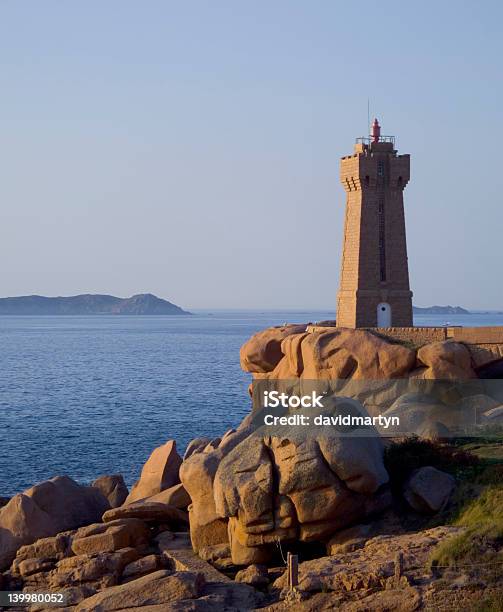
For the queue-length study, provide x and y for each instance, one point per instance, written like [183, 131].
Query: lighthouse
[374, 286]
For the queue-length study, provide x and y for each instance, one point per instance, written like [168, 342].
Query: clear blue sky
[191, 149]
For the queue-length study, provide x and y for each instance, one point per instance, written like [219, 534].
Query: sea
[92, 395]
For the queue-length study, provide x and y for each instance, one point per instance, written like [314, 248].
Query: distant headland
[89, 304]
[441, 310]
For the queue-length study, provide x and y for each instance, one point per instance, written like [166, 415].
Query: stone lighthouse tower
[374, 285]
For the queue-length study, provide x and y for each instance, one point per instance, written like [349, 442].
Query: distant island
[441, 310]
[89, 304]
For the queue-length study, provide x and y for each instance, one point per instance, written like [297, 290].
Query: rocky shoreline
[210, 530]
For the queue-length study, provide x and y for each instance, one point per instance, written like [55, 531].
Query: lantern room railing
[369, 140]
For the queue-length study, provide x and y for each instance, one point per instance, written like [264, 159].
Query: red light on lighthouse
[376, 131]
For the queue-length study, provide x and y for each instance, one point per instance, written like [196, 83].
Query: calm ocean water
[86, 396]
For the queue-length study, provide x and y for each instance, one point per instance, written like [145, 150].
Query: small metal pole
[293, 571]
[398, 567]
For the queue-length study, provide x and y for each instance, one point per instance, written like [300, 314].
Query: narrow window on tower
[380, 168]
[382, 242]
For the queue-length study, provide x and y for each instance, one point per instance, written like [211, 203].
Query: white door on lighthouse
[383, 315]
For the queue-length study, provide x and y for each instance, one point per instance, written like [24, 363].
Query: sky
[191, 149]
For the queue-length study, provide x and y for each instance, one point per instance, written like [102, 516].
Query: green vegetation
[476, 505]
[487, 446]
[402, 458]
[480, 540]
[490, 603]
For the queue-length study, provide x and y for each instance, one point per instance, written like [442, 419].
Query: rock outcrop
[370, 566]
[53, 506]
[298, 351]
[160, 472]
[197, 474]
[428, 489]
[151, 512]
[446, 360]
[123, 565]
[381, 373]
[113, 488]
[254, 575]
[157, 589]
[196, 445]
[110, 536]
[176, 496]
[349, 540]
[290, 488]
[263, 351]
[253, 490]
[391, 572]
